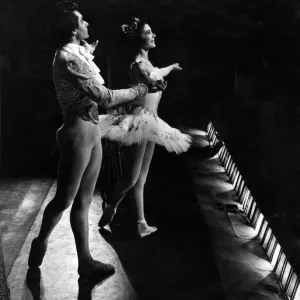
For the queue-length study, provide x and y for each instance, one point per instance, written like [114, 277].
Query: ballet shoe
[96, 271]
[107, 216]
[145, 230]
[37, 253]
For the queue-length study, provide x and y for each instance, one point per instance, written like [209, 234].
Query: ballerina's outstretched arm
[166, 70]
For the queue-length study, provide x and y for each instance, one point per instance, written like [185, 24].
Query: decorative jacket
[79, 86]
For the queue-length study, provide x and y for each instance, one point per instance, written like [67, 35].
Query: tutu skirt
[141, 124]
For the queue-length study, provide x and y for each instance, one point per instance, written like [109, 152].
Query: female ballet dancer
[80, 90]
[140, 128]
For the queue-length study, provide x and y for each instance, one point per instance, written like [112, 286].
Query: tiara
[130, 29]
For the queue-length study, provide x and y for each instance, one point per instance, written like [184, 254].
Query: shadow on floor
[34, 287]
[176, 262]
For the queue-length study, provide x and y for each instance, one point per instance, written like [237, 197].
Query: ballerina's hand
[176, 67]
[90, 47]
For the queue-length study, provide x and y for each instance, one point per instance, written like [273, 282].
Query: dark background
[241, 65]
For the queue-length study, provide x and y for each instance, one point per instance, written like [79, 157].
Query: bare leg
[138, 189]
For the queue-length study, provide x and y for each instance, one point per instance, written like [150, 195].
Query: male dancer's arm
[80, 75]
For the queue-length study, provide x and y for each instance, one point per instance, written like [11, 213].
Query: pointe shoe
[96, 271]
[107, 216]
[145, 230]
[37, 253]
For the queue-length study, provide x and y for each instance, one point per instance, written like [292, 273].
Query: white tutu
[143, 124]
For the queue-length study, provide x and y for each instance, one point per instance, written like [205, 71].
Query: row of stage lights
[282, 269]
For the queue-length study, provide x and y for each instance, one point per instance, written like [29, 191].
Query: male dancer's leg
[79, 218]
[80, 208]
[75, 154]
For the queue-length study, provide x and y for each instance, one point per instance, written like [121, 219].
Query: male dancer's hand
[158, 85]
[162, 85]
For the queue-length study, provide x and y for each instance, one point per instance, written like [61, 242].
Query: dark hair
[134, 29]
[65, 21]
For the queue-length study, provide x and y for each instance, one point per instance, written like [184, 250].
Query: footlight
[293, 285]
[297, 293]
[259, 222]
[275, 255]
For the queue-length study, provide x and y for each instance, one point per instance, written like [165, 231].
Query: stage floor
[197, 253]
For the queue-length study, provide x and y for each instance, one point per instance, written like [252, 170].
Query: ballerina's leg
[138, 189]
[132, 163]
[133, 159]
[138, 192]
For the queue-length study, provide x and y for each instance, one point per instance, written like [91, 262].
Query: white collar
[82, 53]
[79, 50]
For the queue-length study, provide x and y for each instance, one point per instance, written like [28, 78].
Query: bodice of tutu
[151, 100]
